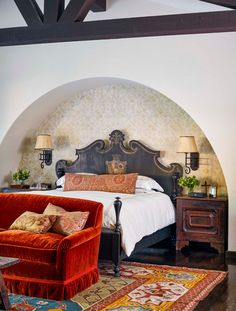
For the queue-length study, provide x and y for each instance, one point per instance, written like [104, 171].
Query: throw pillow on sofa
[52, 209]
[67, 222]
[34, 222]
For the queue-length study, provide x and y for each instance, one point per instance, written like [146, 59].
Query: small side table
[4, 263]
[202, 220]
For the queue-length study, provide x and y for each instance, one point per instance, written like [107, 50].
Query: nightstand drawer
[202, 221]
[206, 203]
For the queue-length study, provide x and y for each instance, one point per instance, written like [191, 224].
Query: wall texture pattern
[140, 112]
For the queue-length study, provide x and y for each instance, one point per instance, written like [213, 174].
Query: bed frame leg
[116, 252]
[117, 270]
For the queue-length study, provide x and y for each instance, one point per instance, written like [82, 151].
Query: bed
[123, 234]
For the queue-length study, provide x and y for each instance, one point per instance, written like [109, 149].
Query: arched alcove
[81, 111]
[30, 119]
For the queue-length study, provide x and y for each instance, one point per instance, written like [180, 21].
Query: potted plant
[188, 181]
[19, 177]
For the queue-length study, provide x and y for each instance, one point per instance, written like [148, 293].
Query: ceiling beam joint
[76, 11]
[99, 6]
[231, 4]
[86, 7]
[31, 12]
[53, 10]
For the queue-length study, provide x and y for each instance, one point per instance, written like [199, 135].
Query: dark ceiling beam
[226, 3]
[99, 6]
[30, 11]
[84, 10]
[71, 12]
[180, 24]
[76, 10]
[53, 10]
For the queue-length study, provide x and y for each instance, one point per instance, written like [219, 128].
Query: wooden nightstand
[202, 220]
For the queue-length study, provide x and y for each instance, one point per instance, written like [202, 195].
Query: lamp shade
[44, 142]
[187, 144]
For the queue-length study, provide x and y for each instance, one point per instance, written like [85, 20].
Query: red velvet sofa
[52, 266]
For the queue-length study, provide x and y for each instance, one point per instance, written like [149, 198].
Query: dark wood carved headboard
[140, 159]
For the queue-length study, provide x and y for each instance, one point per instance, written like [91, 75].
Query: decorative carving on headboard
[117, 137]
[139, 158]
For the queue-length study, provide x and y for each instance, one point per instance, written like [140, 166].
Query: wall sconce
[44, 143]
[187, 145]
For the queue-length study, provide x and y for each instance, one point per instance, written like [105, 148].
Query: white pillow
[60, 182]
[147, 183]
[141, 190]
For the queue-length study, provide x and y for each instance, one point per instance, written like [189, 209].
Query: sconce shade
[44, 142]
[187, 144]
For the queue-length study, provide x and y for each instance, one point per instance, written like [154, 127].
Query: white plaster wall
[195, 71]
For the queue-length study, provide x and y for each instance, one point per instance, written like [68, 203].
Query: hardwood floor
[198, 255]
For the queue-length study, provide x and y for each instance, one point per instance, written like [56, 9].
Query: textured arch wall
[142, 113]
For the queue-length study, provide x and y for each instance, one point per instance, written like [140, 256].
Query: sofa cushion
[34, 222]
[29, 245]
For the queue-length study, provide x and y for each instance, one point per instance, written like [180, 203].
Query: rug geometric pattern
[144, 287]
[141, 287]
[25, 303]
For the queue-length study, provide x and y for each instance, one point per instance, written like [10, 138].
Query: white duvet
[141, 214]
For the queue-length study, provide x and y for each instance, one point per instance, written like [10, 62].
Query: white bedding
[141, 214]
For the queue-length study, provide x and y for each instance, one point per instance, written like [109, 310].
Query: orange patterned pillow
[124, 183]
[67, 222]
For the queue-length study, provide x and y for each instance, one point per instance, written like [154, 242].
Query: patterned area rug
[144, 287]
[25, 303]
[141, 287]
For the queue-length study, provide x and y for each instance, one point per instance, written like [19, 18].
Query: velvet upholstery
[52, 266]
